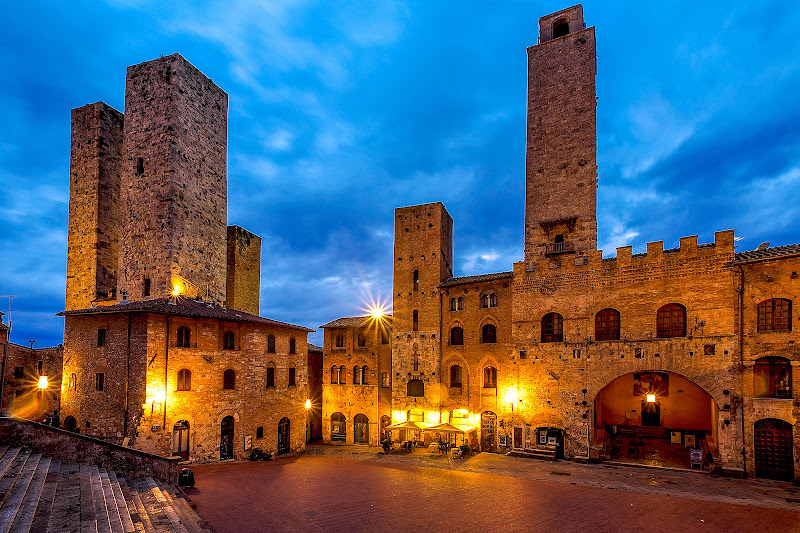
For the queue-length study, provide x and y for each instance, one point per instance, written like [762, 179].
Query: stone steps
[42, 495]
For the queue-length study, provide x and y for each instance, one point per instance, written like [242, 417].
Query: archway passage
[70, 423]
[361, 429]
[180, 439]
[657, 418]
[773, 449]
[283, 436]
[338, 428]
[226, 438]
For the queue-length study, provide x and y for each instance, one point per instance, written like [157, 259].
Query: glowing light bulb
[42, 382]
[651, 398]
[176, 291]
[308, 404]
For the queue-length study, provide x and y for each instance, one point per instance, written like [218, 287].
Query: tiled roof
[351, 322]
[314, 348]
[182, 307]
[767, 253]
[450, 282]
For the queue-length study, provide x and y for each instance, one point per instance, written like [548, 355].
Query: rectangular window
[99, 381]
[19, 372]
[384, 337]
[385, 383]
[40, 367]
[416, 280]
[260, 432]
[415, 320]
[270, 376]
[101, 337]
[139, 166]
[292, 376]
[146, 288]
[292, 345]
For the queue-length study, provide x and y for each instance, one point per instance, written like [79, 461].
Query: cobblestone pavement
[348, 488]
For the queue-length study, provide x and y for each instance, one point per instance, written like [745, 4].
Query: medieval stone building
[572, 350]
[163, 345]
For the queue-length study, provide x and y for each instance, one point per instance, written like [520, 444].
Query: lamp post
[308, 427]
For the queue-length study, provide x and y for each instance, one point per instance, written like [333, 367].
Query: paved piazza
[356, 489]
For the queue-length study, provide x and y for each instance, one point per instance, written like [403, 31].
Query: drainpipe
[740, 292]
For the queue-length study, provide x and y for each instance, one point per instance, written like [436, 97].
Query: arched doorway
[488, 432]
[283, 436]
[70, 424]
[655, 417]
[338, 428]
[773, 449]
[360, 429]
[180, 439]
[226, 438]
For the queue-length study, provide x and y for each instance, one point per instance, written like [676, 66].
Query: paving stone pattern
[40, 494]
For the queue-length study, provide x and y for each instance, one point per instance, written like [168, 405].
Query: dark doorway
[360, 429]
[551, 437]
[651, 414]
[385, 421]
[283, 436]
[226, 439]
[773, 448]
[338, 428]
[518, 435]
[70, 423]
[488, 432]
[180, 439]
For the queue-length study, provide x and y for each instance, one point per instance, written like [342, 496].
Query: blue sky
[341, 111]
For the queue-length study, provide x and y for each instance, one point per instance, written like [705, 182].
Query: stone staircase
[544, 453]
[40, 494]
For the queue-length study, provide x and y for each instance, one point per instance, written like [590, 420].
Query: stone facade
[169, 366]
[698, 340]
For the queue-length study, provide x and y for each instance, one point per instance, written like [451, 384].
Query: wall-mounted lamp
[651, 398]
[42, 382]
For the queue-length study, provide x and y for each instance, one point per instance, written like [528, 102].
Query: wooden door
[226, 439]
[773, 449]
[180, 439]
[488, 432]
[283, 436]
[361, 429]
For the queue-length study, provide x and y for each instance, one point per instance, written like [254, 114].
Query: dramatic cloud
[341, 111]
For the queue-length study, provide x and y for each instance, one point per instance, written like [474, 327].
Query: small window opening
[101, 337]
[146, 288]
[560, 29]
[139, 166]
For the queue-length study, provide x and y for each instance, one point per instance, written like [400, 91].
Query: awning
[447, 427]
[409, 425]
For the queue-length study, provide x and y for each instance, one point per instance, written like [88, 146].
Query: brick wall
[244, 270]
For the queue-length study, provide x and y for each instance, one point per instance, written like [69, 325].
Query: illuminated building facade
[571, 351]
[163, 346]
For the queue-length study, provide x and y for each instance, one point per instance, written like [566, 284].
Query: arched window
[606, 325]
[490, 377]
[342, 375]
[228, 341]
[270, 343]
[775, 315]
[456, 336]
[560, 28]
[455, 375]
[415, 388]
[415, 280]
[184, 337]
[488, 299]
[339, 340]
[671, 321]
[292, 345]
[772, 378]
[356, 375]
[229, 379]
[270, 375]
[184, 379]
[362, 340]
[364, 374]
[292, 375]
[552, 327]
[415, 320]
[459, 303]
[334, 375]
[72, 384]
[489, 333]
[452, 304]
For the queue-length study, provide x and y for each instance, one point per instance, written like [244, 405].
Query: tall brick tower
[92, 244]
[174, 181]
[561, 154]
[423, 258]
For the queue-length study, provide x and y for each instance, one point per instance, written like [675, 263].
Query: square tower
[561, 153]
[423, 258]
[94, 183]
[174, 182]
[244, 270]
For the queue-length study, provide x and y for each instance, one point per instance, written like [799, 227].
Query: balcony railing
[560, 248]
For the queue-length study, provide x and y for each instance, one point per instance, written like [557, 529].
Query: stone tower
[244, 270]
[95, 164]
[561, 154]
[174, 182]
[423, 258]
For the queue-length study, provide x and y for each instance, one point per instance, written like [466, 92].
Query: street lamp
[42, 382]
[308, 427]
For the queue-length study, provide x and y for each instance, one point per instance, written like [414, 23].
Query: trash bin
[186, 478]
